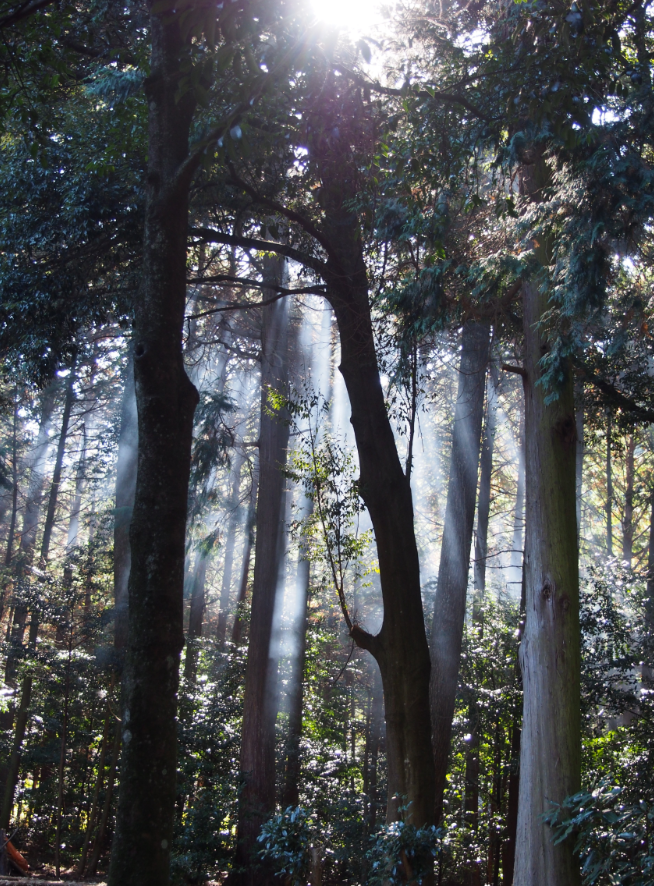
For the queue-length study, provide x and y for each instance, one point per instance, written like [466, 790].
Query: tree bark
[450, 600]
[550, 752]
[257, 763]
[166, 401]
[628, 513]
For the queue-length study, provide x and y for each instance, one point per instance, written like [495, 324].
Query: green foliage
[286, 840]
[612, 839]
[402, 853]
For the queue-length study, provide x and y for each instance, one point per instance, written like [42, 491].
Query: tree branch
[298, 217]
[446, 97]
[255, 284]
[243, 306]
[209, 235]
[614, 395]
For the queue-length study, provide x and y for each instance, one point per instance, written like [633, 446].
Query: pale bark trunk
[166, 401]
[257, 763]
[450, 600]
[550, 753]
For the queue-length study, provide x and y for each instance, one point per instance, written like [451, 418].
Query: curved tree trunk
[550, 751]
[166, 401]
[450, 600]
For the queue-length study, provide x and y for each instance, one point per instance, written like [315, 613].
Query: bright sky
[357, 16]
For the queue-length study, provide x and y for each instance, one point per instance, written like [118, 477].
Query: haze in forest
[326, 459]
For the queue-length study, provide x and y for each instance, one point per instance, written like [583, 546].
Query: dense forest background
[326, 460]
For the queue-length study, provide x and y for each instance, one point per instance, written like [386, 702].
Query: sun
[355, 16]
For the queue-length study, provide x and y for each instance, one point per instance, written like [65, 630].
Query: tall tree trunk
[166, 401]
[59, 462]
[628, 513]
[125, 490]
[484, 498]
[31, 518]
[237, 627]
[106, 809]
[95, 803]
[579, 459]
[196, 615]
[550, 752]
[257, 764]
[14, 489]
[230, 542]
[450, 600]
[401, 647]
[517, 544]
[609, 486]
[648, 666]
[80, 484]
[291, 789]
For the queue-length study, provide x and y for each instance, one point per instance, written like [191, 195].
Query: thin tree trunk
[257, 764]
[96, 792]
[226, 584]
[80, 483]
[579, 461]
[14, 489]
[196, 616]
[237, 627]
[648, 665]
[291, 788]
[376, 735]
[450, 600]
[59, 462]
[609, 487]
[106, 809]
[166, 401]
[484, 499]
[550, 752]
[125, 490]
[62, 756]
[30, 526]
[628, 514]
[517, 543]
